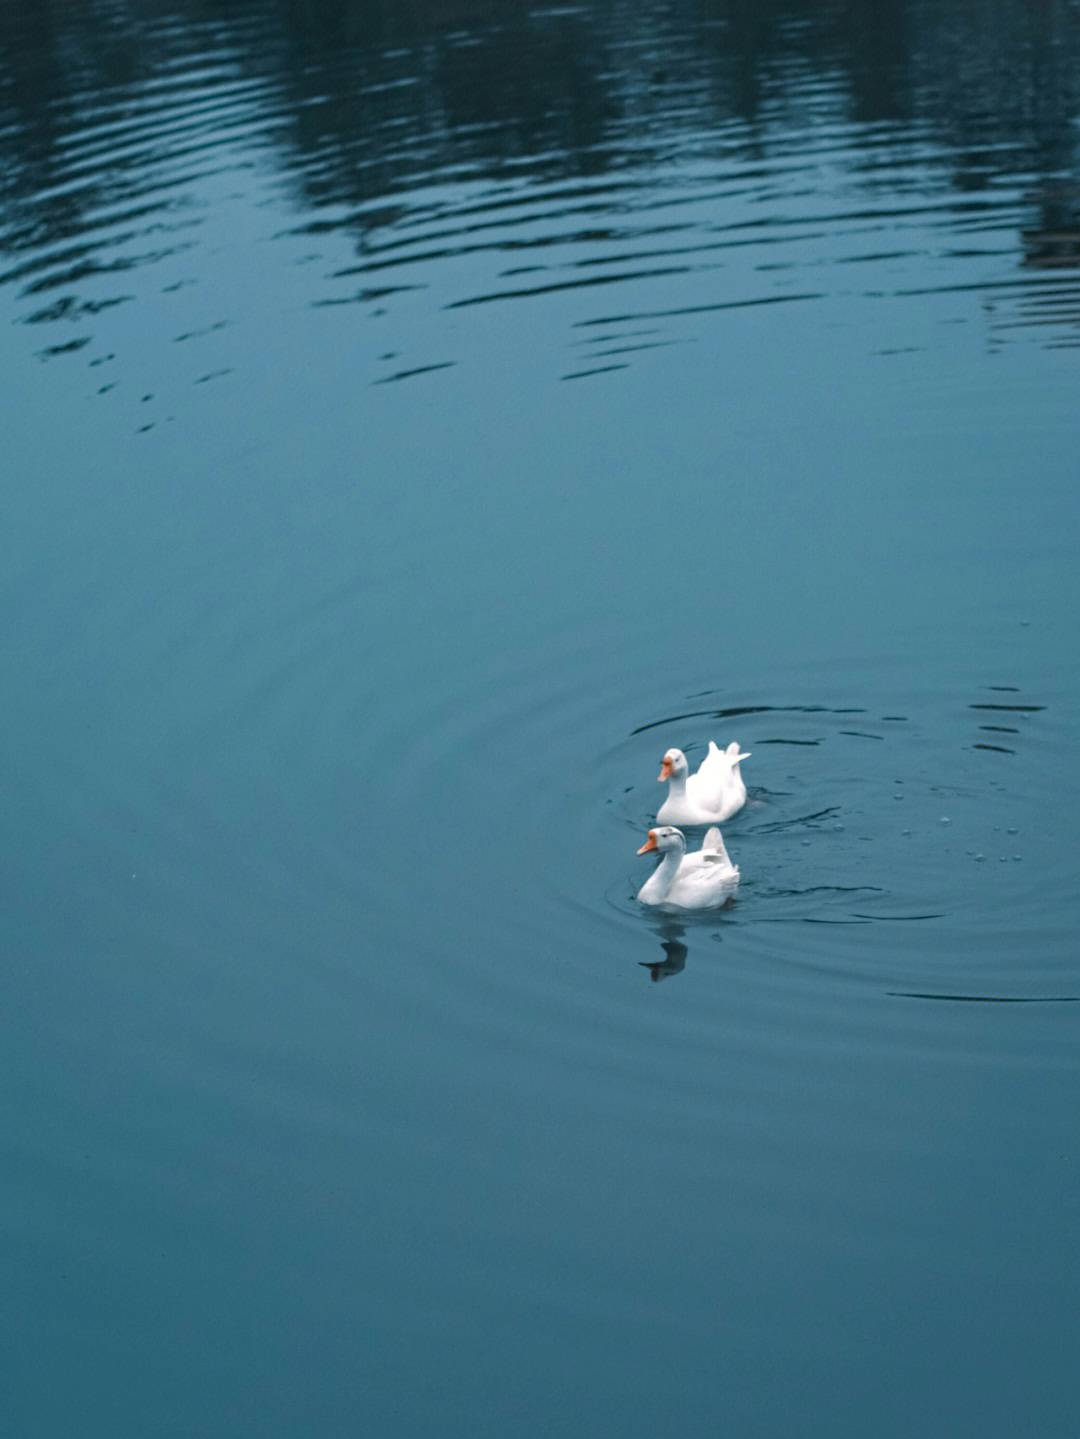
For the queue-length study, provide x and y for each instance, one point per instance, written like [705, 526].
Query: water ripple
[126, 161]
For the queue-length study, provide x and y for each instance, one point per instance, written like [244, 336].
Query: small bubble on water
[1011, 830]
[905, 831]
[944, 819]
[979, 858]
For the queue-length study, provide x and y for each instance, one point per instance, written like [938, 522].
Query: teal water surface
[416, 419]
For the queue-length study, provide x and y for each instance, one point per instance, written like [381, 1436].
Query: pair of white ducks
[707, 878]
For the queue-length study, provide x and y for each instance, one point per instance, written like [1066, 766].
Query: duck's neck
[678, 786]
[660, 881]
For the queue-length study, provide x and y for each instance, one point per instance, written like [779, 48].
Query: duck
[703, 880]
[712, 795]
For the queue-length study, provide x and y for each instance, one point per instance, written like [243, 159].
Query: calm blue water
[416, 419]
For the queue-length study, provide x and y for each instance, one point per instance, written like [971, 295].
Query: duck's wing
[713, 849]
[716, 762]
[712, 779]
[704, 885]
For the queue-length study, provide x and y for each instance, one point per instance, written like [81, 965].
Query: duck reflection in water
[674, 951]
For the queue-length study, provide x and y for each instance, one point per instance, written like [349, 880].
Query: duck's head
[734, 754]
[666, 837]
[673, 765]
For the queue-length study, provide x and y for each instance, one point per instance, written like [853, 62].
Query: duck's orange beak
[650, 843]
[665, 771]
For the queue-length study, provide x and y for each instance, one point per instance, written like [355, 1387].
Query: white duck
[688, 881]
[712, 795]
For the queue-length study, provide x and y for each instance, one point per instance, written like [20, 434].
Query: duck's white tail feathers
[712, 846]
[715, 767]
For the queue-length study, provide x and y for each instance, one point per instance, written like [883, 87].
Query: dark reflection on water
[997, 85]
[675, 952]
[994, 998]
[365, 103]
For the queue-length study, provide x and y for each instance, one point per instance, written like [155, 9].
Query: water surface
[417, 418]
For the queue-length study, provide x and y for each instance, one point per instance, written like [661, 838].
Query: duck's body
[703, 880]
[712, 795]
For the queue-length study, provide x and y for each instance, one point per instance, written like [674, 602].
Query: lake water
[416, 418]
